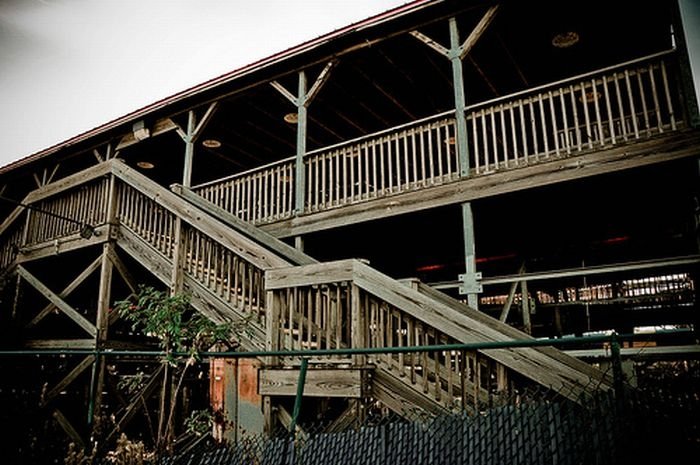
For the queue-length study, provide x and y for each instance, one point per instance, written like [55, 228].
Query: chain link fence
[656, 421]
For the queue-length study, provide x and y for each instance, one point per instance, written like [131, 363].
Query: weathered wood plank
[319, 383]
[661, 149]
[64, 244]
[57, 301]
[307, 275]
[87, 344]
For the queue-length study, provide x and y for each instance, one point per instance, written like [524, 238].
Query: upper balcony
[597, 111]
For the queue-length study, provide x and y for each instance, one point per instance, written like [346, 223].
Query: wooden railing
[612, 106]
[221, 260]
[348, 304]
[65, 214]
[257, 196]
[218, 259]
[626, 102]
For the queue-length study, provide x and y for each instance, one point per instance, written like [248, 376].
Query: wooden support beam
[68, 379]
[104, 293]
[68, 428]
[444, 51]
[319, 383]
[478, 31]
[285, 93]
[67, 291]
[122, 270]
[320, 81]
[511, 295]
[57, 301]
[189, 150]
[204, 120]
[525, 306]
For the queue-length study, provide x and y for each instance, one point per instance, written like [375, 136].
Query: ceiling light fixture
[145, 165]
[211, 143]
[565, 39]
[291, 118]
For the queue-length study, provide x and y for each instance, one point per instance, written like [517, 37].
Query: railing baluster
[494, 141]
[608, 109]
[598, 119]
[565, 121]
[504, 136]
[475, 144]
[643, 99]
[584, 101]
[655, 95]
[667, 92]
[555, 128]
[514, 138]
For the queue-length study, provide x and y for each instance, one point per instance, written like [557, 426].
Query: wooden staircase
[234, 271]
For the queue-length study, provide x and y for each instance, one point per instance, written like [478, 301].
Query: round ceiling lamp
[291, 118]
[145, 165]
[565, 39]
[211, 143]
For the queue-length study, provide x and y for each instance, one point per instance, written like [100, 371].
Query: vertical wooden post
[103, 304]
[300, 172]
[526, 307]
[357, 324]
[470, 278]
[189, 150]
[460, 99]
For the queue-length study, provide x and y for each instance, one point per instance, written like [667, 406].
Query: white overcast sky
[67, 66]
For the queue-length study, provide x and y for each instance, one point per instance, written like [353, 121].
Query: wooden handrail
[568, 377]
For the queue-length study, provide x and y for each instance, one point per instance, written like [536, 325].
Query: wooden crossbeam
[208, 114]
[66, 292]
[68, 379]
[68, 428]
[57, 301]
[431, 43]
[478, 31]
[285, 93]
[136, 401]
[320, 80]
[464, 49]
